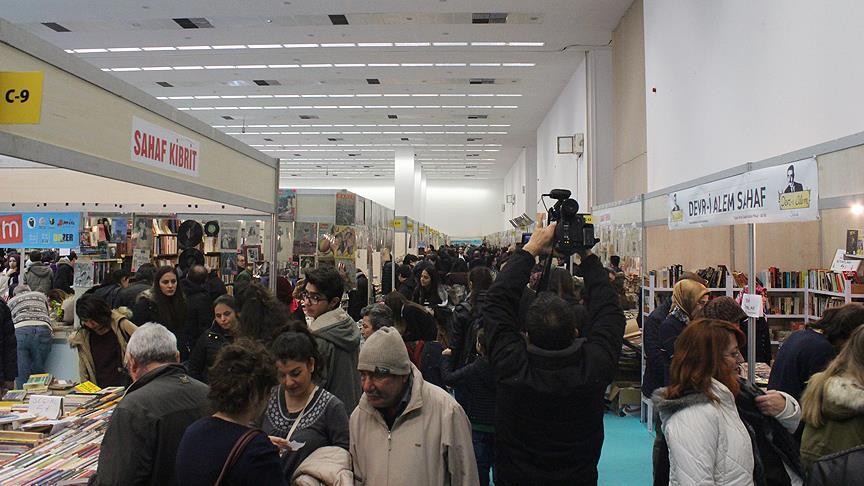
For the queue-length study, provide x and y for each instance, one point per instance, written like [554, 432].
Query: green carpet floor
[626, 456]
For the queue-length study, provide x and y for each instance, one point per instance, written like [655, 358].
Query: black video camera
[573, 233]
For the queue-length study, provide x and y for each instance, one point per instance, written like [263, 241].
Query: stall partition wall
[788, 246]
[87, 124]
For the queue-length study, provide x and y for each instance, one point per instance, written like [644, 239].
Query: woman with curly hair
[223, 448]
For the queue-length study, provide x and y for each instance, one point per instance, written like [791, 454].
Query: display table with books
[52, 431]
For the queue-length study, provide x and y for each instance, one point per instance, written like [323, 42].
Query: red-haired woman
[708, 443]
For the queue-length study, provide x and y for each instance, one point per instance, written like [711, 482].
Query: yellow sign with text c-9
[20, 97]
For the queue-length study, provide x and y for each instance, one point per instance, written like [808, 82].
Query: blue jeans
[34, 344]
[484, 452]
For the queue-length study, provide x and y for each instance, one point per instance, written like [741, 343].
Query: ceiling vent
[308, 117]
[194, 23]
[392, 117]
[489, 18]
[165, 84]
[268, 139]
[353, 155]
[266, 82]
[404, 139]
[475, 139]
[470, 166]
[373, 81]
[335, 139]
[472, 155]
[481, 81]
[298, 155]
[469, 175]
[338, 19]
[55, 27]
[478, 117]
[228, 117]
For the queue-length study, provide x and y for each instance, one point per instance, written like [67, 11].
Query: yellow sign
[410, 225]
[87, 387]
[422, 229]
[795, 200]
[397, 223]
[20, 97]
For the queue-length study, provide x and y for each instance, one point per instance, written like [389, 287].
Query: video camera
[573, 232]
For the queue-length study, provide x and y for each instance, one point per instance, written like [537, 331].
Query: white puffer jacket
[708, 444]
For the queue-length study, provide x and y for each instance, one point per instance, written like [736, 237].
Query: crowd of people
[462, 371]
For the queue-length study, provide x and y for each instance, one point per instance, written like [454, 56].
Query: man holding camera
[549, 420]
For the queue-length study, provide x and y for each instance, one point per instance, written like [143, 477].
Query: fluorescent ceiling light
[233, 46]
[89, 51]
[417, 64]
[252, 66]
[411, 44]
[339, 44]
[219, 67]
[526, 44]
[282, 66]
[206, 97]
[164, 48]
[485, 64]
[193, 48]
[384, 65]
[187, 68]
[325, 65]
[519, 64]
[265, 46]
[349, 65]
[449, 44]
[123, 49]
[450, 64]
[261, 96]
[488, 44]
[298, 46]
[374, 44]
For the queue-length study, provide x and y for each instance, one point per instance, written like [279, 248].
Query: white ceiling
[423, 52]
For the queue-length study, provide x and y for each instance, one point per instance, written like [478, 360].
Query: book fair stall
[152, 185]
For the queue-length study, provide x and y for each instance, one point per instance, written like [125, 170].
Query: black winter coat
[387, 278]
[476, 382]
[205, 350]
[654, 361]
[140, 445]
[844, 467]
[64, 277]
[127, 297]
[549, 421]
[8, 345]
[358, 298]
[199, 310]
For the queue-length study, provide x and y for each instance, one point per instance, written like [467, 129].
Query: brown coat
[121, 326]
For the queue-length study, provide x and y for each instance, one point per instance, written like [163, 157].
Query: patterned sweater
[30, 306]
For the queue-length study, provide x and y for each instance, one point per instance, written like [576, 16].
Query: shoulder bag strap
[235, 453]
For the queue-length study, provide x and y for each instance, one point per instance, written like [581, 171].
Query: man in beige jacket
[406, 431]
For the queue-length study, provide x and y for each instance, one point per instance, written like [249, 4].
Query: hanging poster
[119, 230]
[287, 205]
[284, 237]
[40, 230]
[326, 241]
[344, 241]
[142, 232]
[227, 263]
[348, 270]
[307, 264]
[140, 256]
[305, 238]
[228, 236]
[771, 195]
[253, 233]
[83, 275]
[346, 206]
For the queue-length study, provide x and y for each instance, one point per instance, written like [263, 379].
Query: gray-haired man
[140, 446]
[375, 317]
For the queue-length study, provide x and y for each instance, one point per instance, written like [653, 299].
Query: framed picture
[253, 253]
[565, 145]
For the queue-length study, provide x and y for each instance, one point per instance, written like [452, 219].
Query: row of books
[773, 278]
[166, 245]
[786, 305]
[819, 303]
[716, 277]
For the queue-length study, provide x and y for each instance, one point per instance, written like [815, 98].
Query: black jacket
[205, 350]
[476, 382]
[654, 361]
[107, 292]
[844, 467]
[64, 278]
[128, 296]
[387, 278]
[549, 421]
[358, 298]
[199, 310]
[670, 329]
[140, 445]
[8, 345]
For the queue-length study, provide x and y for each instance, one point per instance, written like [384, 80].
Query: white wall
[458, 208]
[566, 117]
[470, 208]
[739, 81]
[515, 183]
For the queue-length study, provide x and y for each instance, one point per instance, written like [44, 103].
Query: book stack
[166, 245]
[716, 277]
[786, 305]
[72, 454]
[667, 277]
[38, 383]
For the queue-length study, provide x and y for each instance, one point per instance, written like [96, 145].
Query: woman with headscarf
[688, 297]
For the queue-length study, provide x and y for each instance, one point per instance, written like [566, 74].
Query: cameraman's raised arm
[607, 320]
[505, 345]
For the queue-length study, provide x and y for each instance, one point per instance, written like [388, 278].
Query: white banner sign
[772, 195]
[159, 147]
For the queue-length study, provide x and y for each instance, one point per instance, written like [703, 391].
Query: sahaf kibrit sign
[159, 147]
[779, 194]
